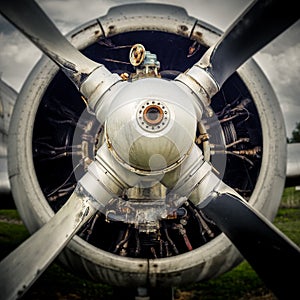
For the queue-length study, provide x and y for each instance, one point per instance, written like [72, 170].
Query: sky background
[280, 60]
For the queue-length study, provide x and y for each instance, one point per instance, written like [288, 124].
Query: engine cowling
[51, 146]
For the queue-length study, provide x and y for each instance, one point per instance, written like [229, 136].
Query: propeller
[270, 253]
[21, 268]
[28, 17]
[259, 24]
[111, 172]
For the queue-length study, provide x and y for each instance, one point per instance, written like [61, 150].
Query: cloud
[17, 57]
[283, 69]
[68, 14]
[279, 60]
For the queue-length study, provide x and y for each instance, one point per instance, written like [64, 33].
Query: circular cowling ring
[210, 260]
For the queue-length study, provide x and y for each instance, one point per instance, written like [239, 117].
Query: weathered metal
[128, 156]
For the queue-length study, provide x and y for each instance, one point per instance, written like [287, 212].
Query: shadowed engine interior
[67, 136]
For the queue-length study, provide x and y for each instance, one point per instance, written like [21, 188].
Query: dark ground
[56, 283]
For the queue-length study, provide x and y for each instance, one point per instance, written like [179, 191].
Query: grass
[291, 198]
[232, 285]
[241, 283]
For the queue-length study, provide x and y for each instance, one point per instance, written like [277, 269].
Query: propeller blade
[271, 254]
[20, 269]
[259, 24]
[29, 18]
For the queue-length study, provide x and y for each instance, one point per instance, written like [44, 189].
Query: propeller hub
[151, 125]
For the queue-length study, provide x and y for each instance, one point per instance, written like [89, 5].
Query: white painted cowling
[210, 260]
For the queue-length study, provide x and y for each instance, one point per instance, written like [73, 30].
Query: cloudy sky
[280, 60]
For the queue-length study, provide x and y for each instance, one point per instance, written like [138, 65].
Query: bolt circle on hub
[153, 116]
